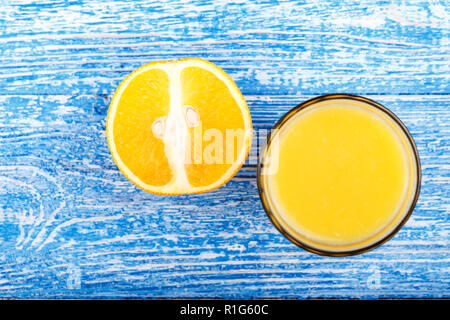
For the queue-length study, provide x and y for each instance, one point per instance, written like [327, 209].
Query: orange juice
[339, 175]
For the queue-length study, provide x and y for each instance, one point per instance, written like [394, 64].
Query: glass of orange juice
[339, 175]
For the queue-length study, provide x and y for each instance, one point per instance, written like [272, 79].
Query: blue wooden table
[72, 226]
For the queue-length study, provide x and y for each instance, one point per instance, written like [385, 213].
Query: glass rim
[283, 120]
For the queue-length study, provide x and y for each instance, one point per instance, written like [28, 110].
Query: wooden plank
[73, 226]
[292, 48]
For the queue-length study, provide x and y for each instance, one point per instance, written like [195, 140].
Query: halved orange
[178, 127]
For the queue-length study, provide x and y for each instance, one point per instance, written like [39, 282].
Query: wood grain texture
[71, 225]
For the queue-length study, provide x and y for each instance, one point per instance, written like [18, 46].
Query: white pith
[176, 125]
[175, 136]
